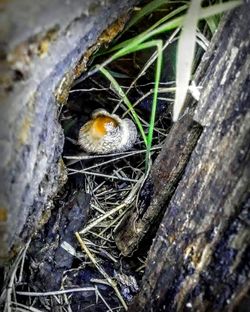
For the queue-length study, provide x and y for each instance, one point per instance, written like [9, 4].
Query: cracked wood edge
[203, 240]
[165, 174]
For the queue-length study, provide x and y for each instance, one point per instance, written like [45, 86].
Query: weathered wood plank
[200, 258]
[166, 172]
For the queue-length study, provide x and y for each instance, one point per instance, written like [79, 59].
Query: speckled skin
[120, 135]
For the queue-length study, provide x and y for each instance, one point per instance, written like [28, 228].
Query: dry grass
[114, 182]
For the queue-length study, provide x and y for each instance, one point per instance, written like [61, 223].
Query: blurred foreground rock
[43, 48]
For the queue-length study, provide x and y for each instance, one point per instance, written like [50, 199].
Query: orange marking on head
[99, 125]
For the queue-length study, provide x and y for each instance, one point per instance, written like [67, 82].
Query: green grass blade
[185, 55]
[186, 49]
[155, 97]
[161, 21]
[120, 92]
[168, 17]
[142, 46]
[146, 10]
[147, 140]
[176, 22]
[219, 8]
[212, 23]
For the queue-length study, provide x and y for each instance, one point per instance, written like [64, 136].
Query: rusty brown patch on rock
[106, 37]
[3, 214]
[25, 128]
[26, 123]
[46, 40]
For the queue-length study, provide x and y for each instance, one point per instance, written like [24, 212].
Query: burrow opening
[100, 184]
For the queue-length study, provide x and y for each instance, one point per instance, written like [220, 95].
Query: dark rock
[47, 259]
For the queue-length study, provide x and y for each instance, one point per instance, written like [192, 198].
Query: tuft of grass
[131, 45]
[147, 140]
[167, 17]
[185, 55]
